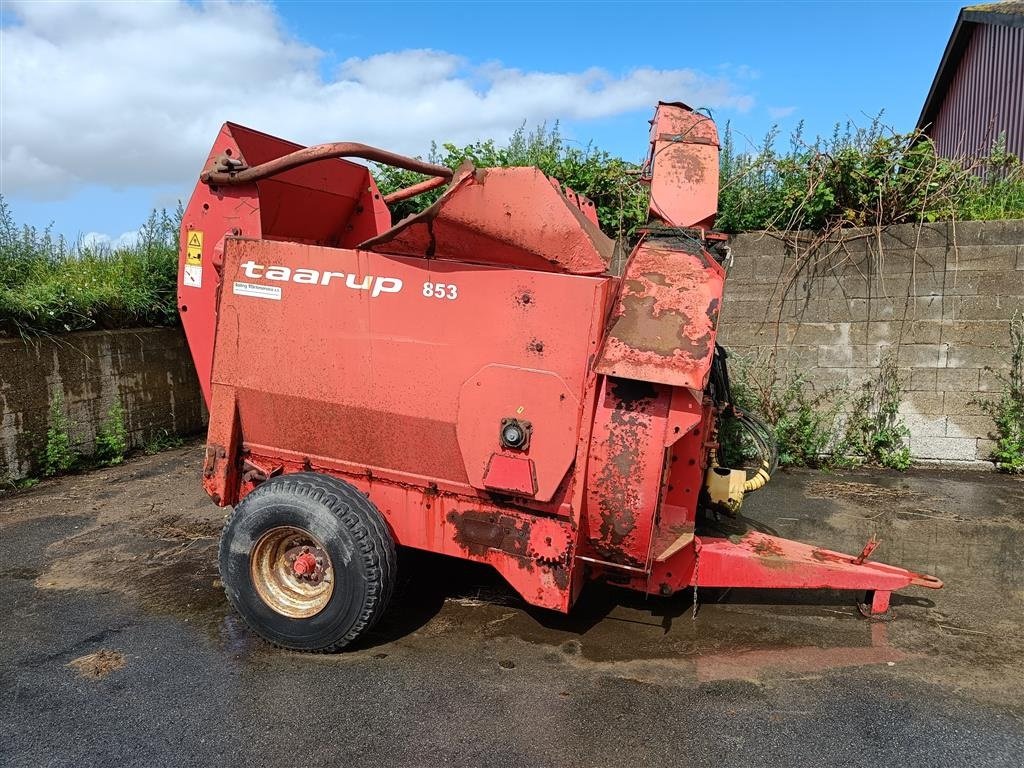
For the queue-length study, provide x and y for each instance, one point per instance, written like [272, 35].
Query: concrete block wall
[936, 297]
[150, 370]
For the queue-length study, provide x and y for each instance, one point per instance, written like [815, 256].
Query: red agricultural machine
[472, 381]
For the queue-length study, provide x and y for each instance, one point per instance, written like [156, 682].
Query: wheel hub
[292, 572]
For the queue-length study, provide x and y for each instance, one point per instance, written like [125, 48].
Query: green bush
[875, 433]
[50, 286]
[807, 422]
[1008, 411]
[112, 438]
[57, 455]
[803, 420]
[862, 177]
[162, 440]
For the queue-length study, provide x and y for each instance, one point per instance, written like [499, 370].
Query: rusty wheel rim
[292, 572]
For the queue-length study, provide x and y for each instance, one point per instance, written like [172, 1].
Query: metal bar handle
[228, 171]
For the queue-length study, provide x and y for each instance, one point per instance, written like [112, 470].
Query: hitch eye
[515, 434]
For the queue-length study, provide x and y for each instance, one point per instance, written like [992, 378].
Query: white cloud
[132, 94]
[101, 240]
[777, 113]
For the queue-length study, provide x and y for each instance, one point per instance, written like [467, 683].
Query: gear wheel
[549, 543]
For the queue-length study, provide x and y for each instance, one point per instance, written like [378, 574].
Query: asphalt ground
[117, 646]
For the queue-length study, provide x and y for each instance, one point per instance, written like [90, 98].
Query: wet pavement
[118, 648]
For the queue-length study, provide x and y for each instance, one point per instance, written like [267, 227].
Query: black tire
[352, 532]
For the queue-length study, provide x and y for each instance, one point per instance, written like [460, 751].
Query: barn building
[978, 91]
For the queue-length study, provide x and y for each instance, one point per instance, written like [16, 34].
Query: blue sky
[108, 109]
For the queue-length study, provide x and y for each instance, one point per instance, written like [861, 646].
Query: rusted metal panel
[503, 216]
[627, 457]
[682, 167]
[665, 325]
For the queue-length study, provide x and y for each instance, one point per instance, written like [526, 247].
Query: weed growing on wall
[875, 433]
[862, 177]
[1008, 411]
[804, 420]
[48, 285]
[57, 455]
[162, 440]
[112, 438]
[807, 422]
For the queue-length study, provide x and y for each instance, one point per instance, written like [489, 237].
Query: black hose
[761, 434]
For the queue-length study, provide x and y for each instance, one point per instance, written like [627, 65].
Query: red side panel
[330, 202]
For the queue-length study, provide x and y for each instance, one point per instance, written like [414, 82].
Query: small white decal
[194, 275]
[259, 291]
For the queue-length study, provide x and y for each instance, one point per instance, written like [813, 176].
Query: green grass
[48, 285]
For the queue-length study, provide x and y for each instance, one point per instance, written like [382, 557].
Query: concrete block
[956, 379]
[825, 333]
[977, 333]
[842, 356]
[922, 380]
[992, 381]
[963, 404]
[1006, 232]
[911, 236]
[1020, 257]
[943, 448]
[905, 332]
[962, 425]
[925, 425]
[985, 449]
[983, 307]
[911, 355]
[992, 258]
[847, 311]
[926, 403]
[963, 356]
[757, 244]
[747, 334]
[901, 309]
[841, 379]
[800, 358]
[1004, 283]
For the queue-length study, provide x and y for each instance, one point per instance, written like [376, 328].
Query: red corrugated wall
[986, 95]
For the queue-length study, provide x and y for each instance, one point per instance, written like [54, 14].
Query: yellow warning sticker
[194, 248]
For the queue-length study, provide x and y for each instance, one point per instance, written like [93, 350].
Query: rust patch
[655, 277]
[617, 486]
[477, 532]
[712, 312]
[661, 332]
[824, 556]
[687, 163]
[536, 346]
[766, 548]
[561, 575]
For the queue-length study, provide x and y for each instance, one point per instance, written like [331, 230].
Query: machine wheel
[308, 562]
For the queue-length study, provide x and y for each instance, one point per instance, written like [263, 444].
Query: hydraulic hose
[760, 433]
